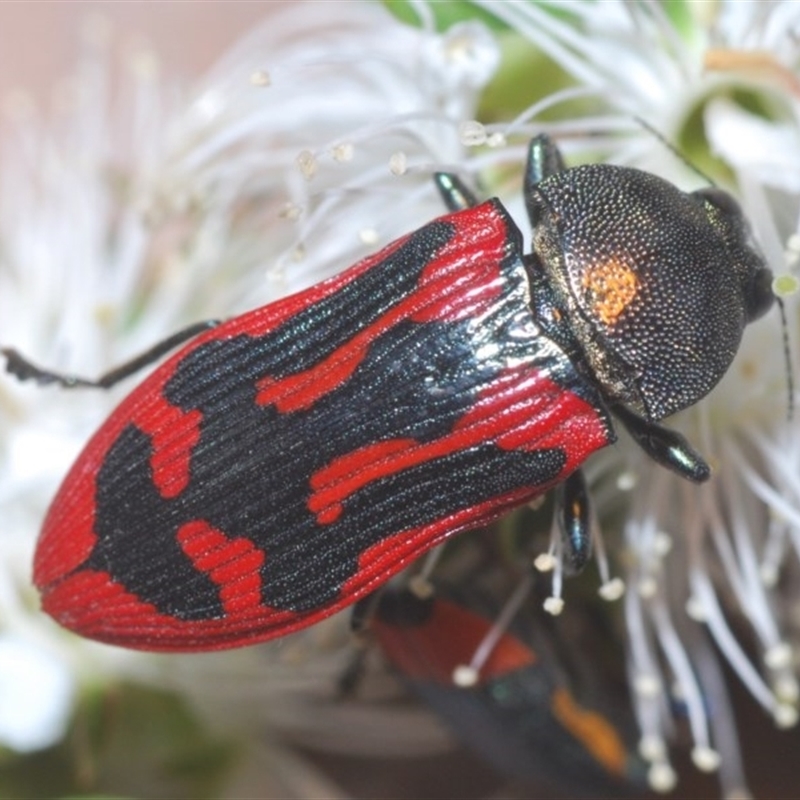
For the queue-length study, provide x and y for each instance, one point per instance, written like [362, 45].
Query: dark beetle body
[287, 462]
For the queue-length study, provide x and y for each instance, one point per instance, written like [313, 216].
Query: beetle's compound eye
[759, 297]
[723, 202]
[726, 216]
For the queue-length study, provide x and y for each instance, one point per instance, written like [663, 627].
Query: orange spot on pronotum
[611, 286]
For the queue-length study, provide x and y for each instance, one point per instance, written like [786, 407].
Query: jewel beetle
[519, 713]
[282, 464]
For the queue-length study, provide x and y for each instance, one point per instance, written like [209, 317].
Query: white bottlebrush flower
[661, 63]
[36, 693]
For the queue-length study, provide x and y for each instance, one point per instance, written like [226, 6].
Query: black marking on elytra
[250, 470]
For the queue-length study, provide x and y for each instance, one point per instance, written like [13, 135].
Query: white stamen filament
[681, 666]
[704, 591]
[501, 624]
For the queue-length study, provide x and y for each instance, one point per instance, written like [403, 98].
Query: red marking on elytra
[464, 281]
[67, 537]
[233, 564]
[336, 481]
[89, 598]
[92, 602]
[455, 285]
[298, 392]
[330, 514]
[174, 434]
[531, 412]
[520, 409]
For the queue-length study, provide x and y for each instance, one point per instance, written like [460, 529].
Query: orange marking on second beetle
[612, 286]
[597, 734]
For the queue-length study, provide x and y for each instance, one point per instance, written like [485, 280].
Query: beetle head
[658, 284]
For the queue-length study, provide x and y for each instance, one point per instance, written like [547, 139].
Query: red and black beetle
[284, 463]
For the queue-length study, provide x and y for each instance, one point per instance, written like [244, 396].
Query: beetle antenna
[787, 354]
[674, 150]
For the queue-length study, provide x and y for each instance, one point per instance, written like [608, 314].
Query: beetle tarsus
[24, 370]
[575, 521]
[665, 446]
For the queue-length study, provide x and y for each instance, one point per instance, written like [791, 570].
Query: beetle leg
[665, 446]
[361, 615]
[24, 370]
[454, 192]
[363, 612]
[544, 159]
[574, 513]
[400, 607]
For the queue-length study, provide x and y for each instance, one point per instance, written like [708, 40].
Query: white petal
[36, 694]
[769, 149]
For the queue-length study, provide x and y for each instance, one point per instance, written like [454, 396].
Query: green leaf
[445, 13]
[680, 14]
